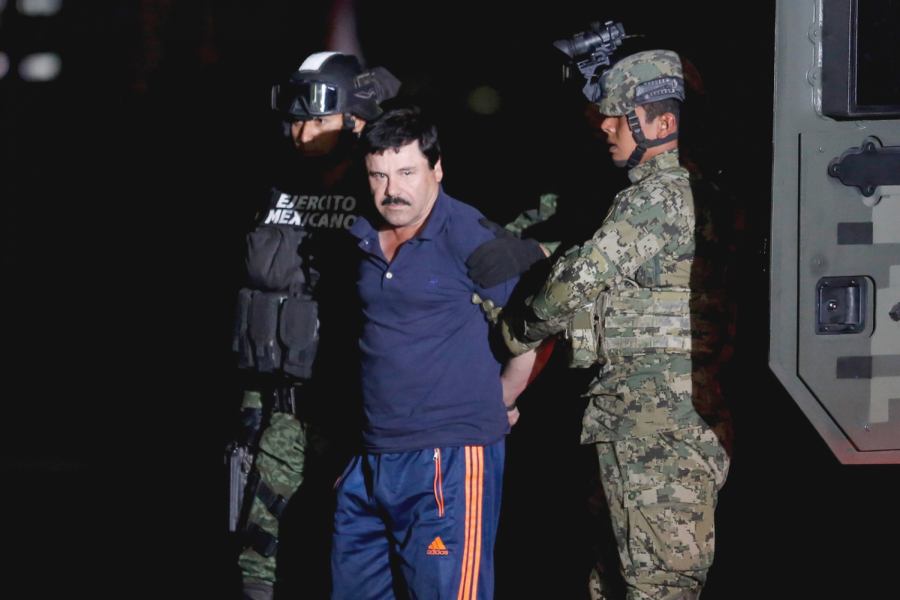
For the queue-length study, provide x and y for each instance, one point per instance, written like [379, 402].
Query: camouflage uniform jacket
[656, 331]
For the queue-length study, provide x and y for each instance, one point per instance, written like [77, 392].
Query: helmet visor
[306, 98]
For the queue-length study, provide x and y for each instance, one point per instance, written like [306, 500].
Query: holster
[239, 460]
[244, 481]
[285, 399]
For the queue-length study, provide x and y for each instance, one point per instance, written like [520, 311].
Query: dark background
[126, 183]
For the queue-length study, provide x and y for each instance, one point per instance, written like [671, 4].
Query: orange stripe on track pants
[444, 503]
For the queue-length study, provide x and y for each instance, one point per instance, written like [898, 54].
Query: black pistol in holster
[239, 456]
[244, 481]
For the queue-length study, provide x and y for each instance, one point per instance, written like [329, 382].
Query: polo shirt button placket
[389, 275]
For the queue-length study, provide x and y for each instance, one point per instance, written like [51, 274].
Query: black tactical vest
[300, 277]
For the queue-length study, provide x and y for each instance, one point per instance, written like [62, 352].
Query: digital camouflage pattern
[546, 209]
[649, 285]
[661, 332]
[584, 337]
[661, 492]
[280, 462]
[639, 396]
[647, 237]
[621, 80]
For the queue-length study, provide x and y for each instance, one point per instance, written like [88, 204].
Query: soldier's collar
[660, 162]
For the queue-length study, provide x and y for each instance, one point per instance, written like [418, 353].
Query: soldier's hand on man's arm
[521, 334]
[502, 258]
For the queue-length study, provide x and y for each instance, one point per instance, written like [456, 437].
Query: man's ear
[438, 171]
[358, 124]
[667, 125]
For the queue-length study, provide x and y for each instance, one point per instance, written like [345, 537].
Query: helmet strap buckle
[643, 144]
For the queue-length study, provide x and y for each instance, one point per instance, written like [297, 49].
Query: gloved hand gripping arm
[575, 281]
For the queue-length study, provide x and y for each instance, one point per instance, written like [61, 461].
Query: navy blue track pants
[418, 525]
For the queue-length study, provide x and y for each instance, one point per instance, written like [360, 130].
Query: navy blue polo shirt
[429, 378]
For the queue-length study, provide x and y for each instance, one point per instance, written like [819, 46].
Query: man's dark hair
[400, 127]
[661, 107]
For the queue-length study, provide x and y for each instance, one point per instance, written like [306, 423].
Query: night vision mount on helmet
[590, 51]
[618, 86]
[329, 83]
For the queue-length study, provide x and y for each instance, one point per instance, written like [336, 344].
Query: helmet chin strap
[643, 144]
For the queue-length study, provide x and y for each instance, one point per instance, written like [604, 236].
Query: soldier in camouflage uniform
[643, 299]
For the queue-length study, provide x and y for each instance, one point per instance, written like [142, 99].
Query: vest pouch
[299, 333]
[273, 258]
[646, 321]
[584, 334]
[240, 342]
[263, 330]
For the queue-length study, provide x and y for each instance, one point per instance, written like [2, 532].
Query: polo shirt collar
[437, 220]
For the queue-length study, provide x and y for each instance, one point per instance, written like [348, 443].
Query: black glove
[502, 258]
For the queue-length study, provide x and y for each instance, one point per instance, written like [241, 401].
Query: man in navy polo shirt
[417, 511]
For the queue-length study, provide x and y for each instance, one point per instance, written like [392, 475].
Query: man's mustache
[394, 200]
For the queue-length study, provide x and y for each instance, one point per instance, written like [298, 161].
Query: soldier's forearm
[558, 301]
[535, 330]
[575, 280]
[521, 334]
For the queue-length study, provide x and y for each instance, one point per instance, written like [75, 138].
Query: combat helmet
[329, 83]
[639, 79]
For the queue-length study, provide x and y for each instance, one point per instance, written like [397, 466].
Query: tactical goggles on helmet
[307, 98]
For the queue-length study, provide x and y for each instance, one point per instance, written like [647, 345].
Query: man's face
[317, 136]
[403, 185]
[621, 141]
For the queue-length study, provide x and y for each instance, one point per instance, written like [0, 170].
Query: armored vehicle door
[835, 239]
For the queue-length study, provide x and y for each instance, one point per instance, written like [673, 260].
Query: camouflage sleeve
[644, 220]
[575, 280]
[546, 209]
[544, 329]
